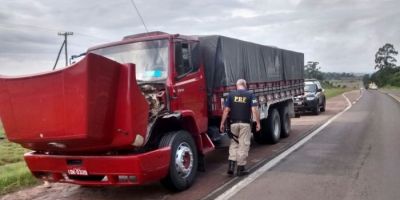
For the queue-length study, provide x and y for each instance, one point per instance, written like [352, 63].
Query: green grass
[352, 84]
[10, 152]
[1, 131]
[331, 92]
[389, 87]
[15, 176]
[14, 173]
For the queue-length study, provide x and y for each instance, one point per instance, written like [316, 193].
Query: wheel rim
[276, 128]
[184, 160]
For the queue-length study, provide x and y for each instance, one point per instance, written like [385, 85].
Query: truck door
[189, 86]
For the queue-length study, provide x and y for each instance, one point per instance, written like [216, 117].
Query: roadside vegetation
[338, 87]
[14, 173]
[332, 92]
[388, 73]
[1, 132]
[334, 83]
[391, 89]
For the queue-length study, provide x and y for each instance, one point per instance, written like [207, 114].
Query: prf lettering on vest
[239, 99]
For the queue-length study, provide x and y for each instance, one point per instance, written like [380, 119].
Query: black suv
[313, 100]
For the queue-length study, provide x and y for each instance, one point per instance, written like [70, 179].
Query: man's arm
[256, 116]
[224, 117]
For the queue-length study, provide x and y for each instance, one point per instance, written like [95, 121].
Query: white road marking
[253, 176]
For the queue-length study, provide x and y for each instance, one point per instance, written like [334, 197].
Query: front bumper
[301, 105]
[310, 104]
[129, 169]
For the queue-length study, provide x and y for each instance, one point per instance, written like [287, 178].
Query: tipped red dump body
[92, 105]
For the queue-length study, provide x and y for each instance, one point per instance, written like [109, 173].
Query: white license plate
[77, 171]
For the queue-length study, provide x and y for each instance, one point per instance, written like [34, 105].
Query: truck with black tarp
[144, 109]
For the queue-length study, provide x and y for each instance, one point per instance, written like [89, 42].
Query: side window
[182, 59]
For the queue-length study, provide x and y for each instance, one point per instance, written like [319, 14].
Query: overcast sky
[343, 35]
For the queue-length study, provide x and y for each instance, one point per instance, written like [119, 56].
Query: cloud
[342, 35]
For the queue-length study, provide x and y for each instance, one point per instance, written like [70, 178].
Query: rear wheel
[270, 129]
[274, 123]
[183, 164]
[285, 122]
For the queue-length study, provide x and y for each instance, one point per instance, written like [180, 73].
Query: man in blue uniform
[240, 105]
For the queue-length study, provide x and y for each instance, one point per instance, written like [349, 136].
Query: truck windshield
[150, 58]
[310, 88]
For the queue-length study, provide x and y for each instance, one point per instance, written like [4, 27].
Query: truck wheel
[285, 122]
[270, 129]
[183, 164]
[323, 106]
[274, 127]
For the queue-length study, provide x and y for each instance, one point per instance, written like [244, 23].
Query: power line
[140, 16]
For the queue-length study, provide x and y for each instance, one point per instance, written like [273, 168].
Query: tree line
[388, 73]
[312, 70]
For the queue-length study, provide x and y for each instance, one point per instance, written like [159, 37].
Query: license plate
[77, 172]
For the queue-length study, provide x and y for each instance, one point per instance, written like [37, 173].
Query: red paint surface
[146, 167]
[94, 105]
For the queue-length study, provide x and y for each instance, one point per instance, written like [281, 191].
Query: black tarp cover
[226, 60]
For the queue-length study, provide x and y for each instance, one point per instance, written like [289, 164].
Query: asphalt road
[355, 157]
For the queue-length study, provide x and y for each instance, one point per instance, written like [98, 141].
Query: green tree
[312, 70]
[384, 57]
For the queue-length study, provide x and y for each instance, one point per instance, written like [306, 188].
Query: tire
[274, 127]
[323, 106]
[270, 129]
[285, 122]
[316, 110]
[184, 160]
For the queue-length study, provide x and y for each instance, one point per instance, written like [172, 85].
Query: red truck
[146, 108]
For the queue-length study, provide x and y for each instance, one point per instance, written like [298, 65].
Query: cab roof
[155, 35]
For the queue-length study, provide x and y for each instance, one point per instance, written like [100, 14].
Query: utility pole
[64, 44]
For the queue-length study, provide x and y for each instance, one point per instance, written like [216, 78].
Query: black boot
[241, 171]
[231, 167]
